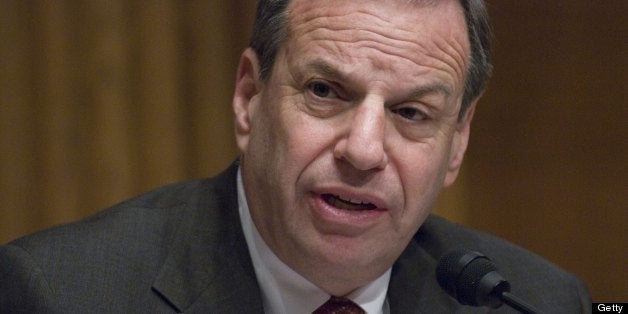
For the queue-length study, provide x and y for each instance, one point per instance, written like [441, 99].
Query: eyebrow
[435, 88]
[328, 70]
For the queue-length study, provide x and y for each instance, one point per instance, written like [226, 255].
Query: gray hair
[270, 30]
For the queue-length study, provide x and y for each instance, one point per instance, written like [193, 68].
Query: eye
[322, 89]
[410, 113]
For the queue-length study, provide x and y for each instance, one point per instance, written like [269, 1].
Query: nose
[363, 144]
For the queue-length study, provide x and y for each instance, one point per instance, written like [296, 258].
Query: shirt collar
[284, 290]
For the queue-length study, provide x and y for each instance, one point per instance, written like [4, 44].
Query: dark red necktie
[336, 305]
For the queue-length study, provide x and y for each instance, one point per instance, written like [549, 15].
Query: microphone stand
[518, 304]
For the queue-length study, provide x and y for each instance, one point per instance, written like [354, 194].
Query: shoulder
[531, 276]
[438, 236]
[109, 256]
[150, 216]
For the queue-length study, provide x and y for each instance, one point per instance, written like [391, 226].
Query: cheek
[307, 137]
[282, 146]
[422, 172]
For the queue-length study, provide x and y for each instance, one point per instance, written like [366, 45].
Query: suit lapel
[413, 286]
[208, 266]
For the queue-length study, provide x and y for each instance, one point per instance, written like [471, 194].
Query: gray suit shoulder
[135, 217]
[88, 263]
[531, 276]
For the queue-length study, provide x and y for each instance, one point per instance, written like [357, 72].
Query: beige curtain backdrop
[101, 100]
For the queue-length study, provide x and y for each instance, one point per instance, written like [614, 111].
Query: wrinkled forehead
[421, 17]
[428, 35]
[425, 3]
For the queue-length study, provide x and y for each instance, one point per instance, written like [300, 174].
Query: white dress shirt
[283, 290]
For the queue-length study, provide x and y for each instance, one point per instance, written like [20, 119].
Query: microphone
[472, 279]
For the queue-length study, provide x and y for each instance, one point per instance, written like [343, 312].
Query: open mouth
[347, 204]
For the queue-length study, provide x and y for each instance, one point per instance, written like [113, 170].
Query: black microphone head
[471, 278]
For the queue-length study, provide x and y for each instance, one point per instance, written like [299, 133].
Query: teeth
[354, 201]
[349, 204]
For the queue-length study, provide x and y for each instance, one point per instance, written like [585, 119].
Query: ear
[246, 96]
[459, 145]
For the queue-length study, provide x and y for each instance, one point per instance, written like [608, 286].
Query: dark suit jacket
[181, 248]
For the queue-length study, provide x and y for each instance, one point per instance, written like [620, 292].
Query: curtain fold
[101, 100]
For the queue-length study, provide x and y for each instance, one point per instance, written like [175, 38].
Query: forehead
[430, 34]
[419, 16]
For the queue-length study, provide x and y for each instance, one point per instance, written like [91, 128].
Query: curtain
[103, 99]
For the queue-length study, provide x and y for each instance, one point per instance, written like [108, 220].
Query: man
[351, 116]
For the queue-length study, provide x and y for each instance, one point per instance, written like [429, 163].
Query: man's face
[347, 145]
